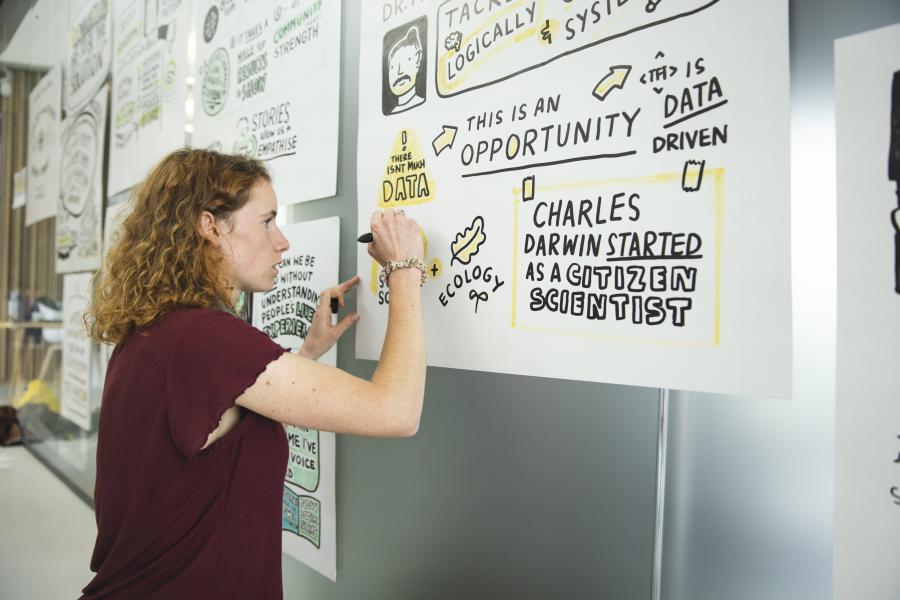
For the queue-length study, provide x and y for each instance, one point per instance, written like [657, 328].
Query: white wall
[39, 41]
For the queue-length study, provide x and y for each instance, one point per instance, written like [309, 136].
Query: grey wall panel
[751, 482]
[514, 487]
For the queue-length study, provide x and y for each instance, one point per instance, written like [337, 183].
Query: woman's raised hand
[394, 237]
[322, 334]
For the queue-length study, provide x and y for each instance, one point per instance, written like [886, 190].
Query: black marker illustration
[210, 24]
[614, 79]
[477, 297]
[659, 74]
[546, 35]
[444, 139]
[43, 131]
[561, 28]
[468, 243]
[453, 41]
[692, 175]
[435, 268]
[404, 66]
[894, 172]
[78, 217]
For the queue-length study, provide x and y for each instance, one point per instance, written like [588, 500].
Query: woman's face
[252, 245]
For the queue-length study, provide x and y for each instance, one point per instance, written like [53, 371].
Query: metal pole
[662, 447]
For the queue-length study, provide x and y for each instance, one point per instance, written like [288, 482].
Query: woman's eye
[267, 221]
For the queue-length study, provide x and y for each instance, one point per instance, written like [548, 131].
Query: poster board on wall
[867, 413]
[75, 389]
[268, 86]
[149, 86]
[44, 116]
[88, 51]
[598, 197]
[308, 510]
[79, 216]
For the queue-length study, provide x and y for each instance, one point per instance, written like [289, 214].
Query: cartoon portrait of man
[404, 67]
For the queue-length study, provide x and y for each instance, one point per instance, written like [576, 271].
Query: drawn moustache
[401, 79]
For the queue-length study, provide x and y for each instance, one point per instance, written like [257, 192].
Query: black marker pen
[334, 311]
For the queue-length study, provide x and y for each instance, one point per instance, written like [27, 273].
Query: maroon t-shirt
[175, 521]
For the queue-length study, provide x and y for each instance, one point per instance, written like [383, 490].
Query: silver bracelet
[394, 265]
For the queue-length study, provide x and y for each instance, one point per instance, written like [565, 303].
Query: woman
[191, 452]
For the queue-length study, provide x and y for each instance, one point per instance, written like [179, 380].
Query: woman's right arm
[298, 391]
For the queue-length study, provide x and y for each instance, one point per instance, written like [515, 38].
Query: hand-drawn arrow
[444, 139]
[614, 79]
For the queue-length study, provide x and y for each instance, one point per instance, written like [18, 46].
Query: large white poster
[88, 51]
[149, 86]
[603, 187]
[75, 390]
[44, 115]
[268, 84]
[308, 519]
[867, 416]
[79, 217]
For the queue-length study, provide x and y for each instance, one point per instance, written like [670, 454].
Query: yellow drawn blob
[406, 180]
[373, 277]
[435, 269]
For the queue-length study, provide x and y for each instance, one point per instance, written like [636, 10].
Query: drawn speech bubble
[501, 42]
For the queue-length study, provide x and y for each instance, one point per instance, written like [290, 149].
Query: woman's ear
[207, 227]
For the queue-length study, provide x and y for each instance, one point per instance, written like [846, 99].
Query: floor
[46, 532]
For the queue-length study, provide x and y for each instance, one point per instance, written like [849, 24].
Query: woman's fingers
[338, 292]
[348, 285]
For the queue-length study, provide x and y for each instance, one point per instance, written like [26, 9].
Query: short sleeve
[214, 359]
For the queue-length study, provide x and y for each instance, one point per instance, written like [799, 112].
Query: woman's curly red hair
[161, 262]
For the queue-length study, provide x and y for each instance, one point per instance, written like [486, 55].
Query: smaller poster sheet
[75, 392]
[80, 211]
[308, 518]
[19, 178]
[867, 411]
[88, 51]
[44, 115]
[268, 86]
[149, 86]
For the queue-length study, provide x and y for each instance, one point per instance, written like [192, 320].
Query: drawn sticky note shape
[528, 188]
[692, 175]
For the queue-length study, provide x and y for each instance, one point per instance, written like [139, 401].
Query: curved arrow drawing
[444, 139]
[614, 79]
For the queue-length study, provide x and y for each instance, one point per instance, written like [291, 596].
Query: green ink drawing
[214, 91]
[303, 461]
[301, 515]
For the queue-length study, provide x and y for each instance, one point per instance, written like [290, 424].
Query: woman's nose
[283, 243]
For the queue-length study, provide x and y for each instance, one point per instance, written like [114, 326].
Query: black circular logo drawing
[210, 24]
